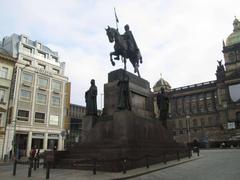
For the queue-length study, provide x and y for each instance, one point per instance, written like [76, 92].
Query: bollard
[124, 161]
[198, 151]
[30, 168]
[147, 162]
[94, 167]
[164, 158]
[189, 153]
[178, 156]
[47, 170]
[14, 167]
[35, 164]
[38, 162]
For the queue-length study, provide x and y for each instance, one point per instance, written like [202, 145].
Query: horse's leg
[111, 59]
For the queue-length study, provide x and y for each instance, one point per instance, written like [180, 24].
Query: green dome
[161, 83]
[234, 37]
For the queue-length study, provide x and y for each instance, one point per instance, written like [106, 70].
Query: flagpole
[116, 18]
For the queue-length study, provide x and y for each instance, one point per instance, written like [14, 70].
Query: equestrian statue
[125, 47]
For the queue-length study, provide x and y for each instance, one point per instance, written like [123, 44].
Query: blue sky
[180, 39]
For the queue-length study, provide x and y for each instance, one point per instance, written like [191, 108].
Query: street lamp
[15, 122]
[188, 128]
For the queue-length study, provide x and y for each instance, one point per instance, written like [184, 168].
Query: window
[39, 117]
[201, 103]
[27, 50]
[2, 95]
[41, 54]
[195, 123]
[23, 115]
[55, 58]
[27, 78]
[210, 121]
[41, 98]
[55, 101]
[187, 105]
[56, 86]
[203, 122]
[42, 83]
[194, 104]
[25, 95]
[4, 72]
[26, 61]
[180, 124]
[37, 143]
[41, 66]
[54, 120]
[56, 71]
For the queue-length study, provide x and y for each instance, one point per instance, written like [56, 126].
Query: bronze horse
[121, 49]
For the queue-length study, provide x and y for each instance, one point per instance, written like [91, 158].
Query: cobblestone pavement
[215, 165]
[212, 164]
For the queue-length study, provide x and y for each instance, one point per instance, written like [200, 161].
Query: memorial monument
[127, 134]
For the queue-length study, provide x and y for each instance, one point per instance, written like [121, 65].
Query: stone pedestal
[124, 135]
[141, 97]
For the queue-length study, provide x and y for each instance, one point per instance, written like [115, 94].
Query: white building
[37, 105]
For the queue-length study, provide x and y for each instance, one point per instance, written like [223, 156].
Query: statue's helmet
[126, 27]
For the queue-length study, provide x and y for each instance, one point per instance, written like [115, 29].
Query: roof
[234, 37]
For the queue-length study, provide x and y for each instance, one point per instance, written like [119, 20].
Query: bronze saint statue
[125, 46]
[124, 99]
[163, 106]
[91, 99]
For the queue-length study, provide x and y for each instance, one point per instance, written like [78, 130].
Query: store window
[52, 144]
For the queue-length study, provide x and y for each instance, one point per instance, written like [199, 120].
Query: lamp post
[15, 122]
[188, 128]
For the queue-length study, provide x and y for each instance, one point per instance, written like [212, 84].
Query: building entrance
[21, 142]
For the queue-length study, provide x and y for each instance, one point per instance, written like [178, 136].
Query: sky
[180, 39]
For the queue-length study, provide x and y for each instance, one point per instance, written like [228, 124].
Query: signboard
[53, 120]
[231, 125]
[234, 91]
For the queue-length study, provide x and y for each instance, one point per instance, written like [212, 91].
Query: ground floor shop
[27, 139]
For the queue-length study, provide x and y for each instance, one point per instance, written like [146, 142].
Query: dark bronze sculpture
[125, 46]
[91, 99]
[124, 99]
[163, 106]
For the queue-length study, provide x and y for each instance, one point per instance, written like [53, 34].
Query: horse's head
[110, 34]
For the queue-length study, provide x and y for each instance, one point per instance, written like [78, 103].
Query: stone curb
[157, 169]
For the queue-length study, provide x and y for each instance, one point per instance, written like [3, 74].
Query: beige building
[38, 106]
[6, 70]
[209, 111]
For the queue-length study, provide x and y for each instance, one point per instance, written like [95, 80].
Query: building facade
[210, 111]
[37, 104]
[7, 64]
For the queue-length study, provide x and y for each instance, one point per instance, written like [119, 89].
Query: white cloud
[180, 39]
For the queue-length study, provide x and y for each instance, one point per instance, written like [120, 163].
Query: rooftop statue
[125, 46]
